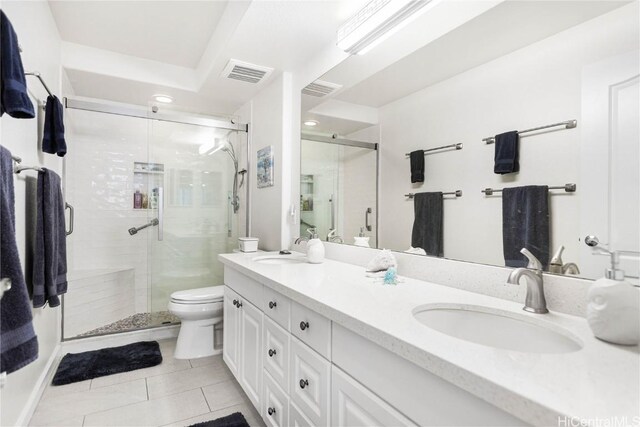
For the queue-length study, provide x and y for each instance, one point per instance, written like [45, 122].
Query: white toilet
[200, 311]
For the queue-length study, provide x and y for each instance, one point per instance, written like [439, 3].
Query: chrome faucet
[312, 235]
[333, 237]
[534, 301]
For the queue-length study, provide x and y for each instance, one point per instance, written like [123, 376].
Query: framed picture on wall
[265, 167]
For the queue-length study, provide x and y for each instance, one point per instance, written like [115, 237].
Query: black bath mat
[107, 361]
[234, 420]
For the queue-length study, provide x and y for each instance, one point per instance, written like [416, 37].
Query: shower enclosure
[338, 188]
[157, 195]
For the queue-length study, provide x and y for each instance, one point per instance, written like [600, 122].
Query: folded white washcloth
[383, 261]
[415, 251]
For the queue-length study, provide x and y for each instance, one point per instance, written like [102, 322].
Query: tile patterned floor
[174, 393]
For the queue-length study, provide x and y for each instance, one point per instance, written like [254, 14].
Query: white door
[231, 334]
[251, 351]
[610, 154]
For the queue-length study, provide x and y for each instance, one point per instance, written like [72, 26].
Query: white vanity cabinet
[301, 369]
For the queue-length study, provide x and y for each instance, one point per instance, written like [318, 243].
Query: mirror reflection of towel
[525, 224]
[427, 224]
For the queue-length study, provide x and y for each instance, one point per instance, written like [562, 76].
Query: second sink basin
[495, 328]
[280, 259]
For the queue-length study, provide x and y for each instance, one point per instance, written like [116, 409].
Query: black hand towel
[18, 342]
[525, 224]
[50, 258]
[14, 99]
[427, 225]
[506, 154]
[53, 141]
[417, 166]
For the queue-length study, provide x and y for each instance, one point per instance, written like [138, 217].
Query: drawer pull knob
[271, 411]
[235, 302]
[304, 383]
[239, 304]
[272, 304]
[272, 352]
[304, 325]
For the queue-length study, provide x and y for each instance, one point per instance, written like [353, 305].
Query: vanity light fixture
[163, 98]
[310, 123]
[376, 21]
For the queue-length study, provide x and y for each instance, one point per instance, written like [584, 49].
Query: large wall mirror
[416, 151]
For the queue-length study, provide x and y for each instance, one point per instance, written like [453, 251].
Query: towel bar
[569, 188]
[457, 146]
[457, 193]
[568, 124]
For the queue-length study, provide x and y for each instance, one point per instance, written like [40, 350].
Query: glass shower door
[188, 186]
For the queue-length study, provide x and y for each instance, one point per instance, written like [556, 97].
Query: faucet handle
[533, 261]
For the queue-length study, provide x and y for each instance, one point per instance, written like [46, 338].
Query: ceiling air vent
[320, 88]
[245, 72]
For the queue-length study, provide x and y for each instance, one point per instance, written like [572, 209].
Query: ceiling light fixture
[376, 21]
[310, 123]
[163, 98]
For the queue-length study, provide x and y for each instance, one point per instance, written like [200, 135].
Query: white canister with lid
[248, 244]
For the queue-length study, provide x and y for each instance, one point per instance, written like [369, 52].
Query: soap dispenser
[613, 309]
[362, 240]
[315, 248]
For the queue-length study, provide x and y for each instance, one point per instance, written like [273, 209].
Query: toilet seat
[198, 296]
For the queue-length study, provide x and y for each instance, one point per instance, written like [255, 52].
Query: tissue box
[248, 244]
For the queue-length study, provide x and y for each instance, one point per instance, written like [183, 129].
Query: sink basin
[496, 328]
[280, 259]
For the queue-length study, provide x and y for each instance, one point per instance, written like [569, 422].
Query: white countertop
[599, 382]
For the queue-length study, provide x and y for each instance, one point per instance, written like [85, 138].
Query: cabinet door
[276, 404]
[353, 405]
[309, 382]
[275, 352]
[297, 418]
[250, 353]
[231, 334]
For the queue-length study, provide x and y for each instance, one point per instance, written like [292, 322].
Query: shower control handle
[272, 304]
[304, 325]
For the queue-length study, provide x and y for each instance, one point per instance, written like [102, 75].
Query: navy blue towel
[14, 99]
[525, 224]
[428, 227]
[18, 341]
[506, 154]
[417, 166]
[53, 136]
[50, 258]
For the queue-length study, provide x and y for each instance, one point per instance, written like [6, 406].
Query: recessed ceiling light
[163, 98]
[310, 123]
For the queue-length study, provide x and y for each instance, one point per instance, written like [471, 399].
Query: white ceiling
[129, 51]
[175, 32]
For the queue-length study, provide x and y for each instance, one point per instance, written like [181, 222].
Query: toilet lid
[199, 295]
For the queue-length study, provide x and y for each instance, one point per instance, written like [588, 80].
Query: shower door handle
[333, 213]
[71, 218]
[160, 213]
[366, 219]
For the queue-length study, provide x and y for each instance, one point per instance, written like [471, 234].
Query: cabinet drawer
[277, 307]
[312, 328]
[354, 405]
[243, 285]
[309, 382]
[297, 418]
[275, 351]
[275, 410]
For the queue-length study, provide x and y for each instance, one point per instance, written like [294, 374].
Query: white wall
[536, 85]
[38, 36]
[269, 115]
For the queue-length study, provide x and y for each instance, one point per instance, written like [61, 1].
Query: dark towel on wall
[427, 224]
[18, 342]
[50, 258]
[53, 141]
[417, 166]
[525, 224]
[14, 99]
[506, 153]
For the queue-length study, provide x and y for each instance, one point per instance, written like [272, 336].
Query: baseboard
[95, 343]
[43, 380]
